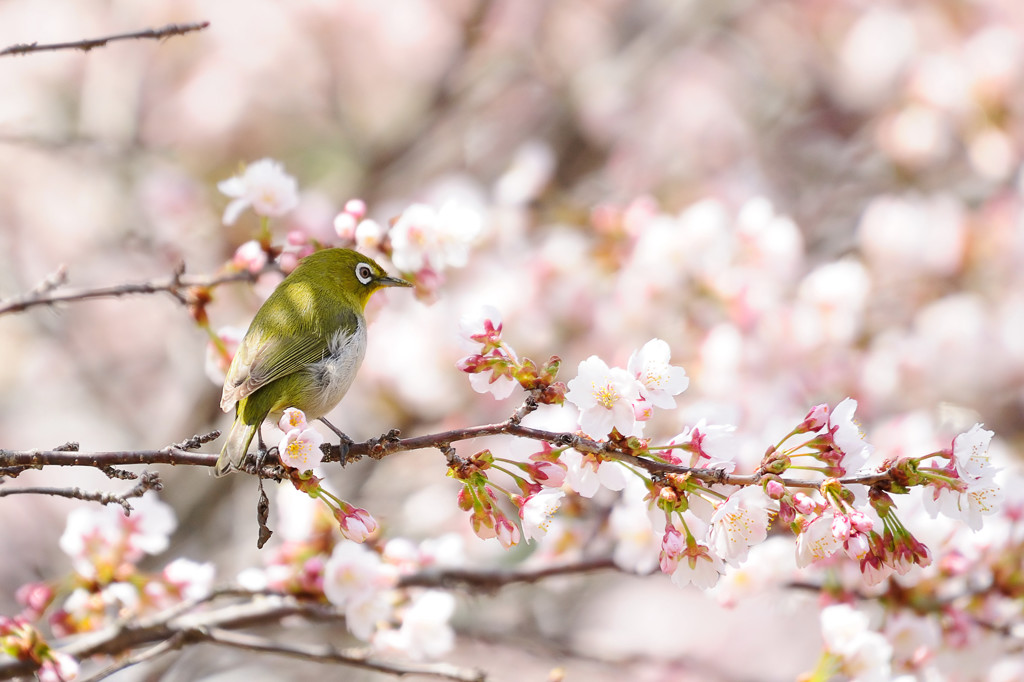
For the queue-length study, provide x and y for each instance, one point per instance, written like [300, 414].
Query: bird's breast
[333, 375]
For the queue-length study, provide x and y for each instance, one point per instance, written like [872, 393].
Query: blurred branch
[184, 288]
[90, 43]
[326, 653]
[150, 481]
[493, 580]
[175, 628]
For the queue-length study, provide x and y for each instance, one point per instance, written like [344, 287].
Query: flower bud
[356, 207]
[804, 504]
[250, 256]
[816, 418]
[861, 522]
[507, 532]
[841, 527]
[774, 489]
[345, 226]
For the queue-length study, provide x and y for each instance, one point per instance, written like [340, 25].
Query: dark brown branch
[390, 443]
[90, 43]
[39, 458]
[177, 285]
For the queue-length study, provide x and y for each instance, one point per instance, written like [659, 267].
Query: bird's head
[351, 274]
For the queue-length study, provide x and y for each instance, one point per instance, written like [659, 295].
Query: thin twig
[177, 285]
[150, 481]
[178, 626]
[90, 43]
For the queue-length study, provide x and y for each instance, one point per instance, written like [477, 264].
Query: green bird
[303, 347]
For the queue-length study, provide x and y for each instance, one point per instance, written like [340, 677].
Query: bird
[303, 347]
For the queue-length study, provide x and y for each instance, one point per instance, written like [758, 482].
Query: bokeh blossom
[264, 186]
[425, 237]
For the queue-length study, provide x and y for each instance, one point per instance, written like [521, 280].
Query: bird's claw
[344, 445]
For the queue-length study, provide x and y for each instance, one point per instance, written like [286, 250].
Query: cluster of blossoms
[691, 519]
[361, 580]
[623, 399]
[422, 242]
[494, 368]
[106, 586]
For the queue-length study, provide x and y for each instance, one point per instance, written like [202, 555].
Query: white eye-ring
[363, 273]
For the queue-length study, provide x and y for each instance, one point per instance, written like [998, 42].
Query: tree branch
[325, 653]
[177, 627]
[150, 481]
[179, 285]
[90, 43]
[490, 581]
[391, 443]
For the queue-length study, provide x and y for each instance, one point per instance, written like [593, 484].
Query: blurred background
[808, 200]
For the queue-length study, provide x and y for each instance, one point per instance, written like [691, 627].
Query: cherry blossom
[537, 510]
[660, 381]
[300, 449]
[605, 398]
[424, 237]
[264, 186]
[740, 522]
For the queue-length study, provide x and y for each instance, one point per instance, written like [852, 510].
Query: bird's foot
[259, 459]
[344, 444]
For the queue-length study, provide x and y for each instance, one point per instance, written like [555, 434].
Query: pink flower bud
[815, 419]
[672, 546]
[483, 524]
[507, 532]
[841, 527]
[861, 521]
[774, 489]
[803, 503]
[34, 596]
[356, 207]
[287, 261]
[250, 256]
[357, 525]
[297, 237]
[550, 474]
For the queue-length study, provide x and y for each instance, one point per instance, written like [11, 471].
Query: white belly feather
[334, 374]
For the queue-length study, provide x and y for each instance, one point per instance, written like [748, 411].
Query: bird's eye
[363, 273]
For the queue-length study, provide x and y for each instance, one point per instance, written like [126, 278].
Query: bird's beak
[392, 282]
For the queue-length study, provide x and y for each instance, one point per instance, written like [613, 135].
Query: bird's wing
[267, 357]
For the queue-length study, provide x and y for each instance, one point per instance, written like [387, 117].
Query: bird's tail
[237, 445]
